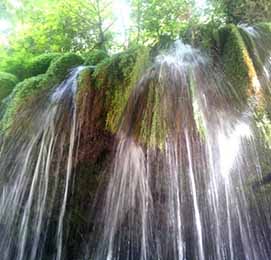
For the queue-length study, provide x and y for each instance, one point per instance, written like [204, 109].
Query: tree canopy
[32, 27]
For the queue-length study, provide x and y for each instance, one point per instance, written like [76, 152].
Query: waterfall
[178, 186]
[36, 164]
[184, 179]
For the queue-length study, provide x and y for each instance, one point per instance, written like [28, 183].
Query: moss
[252, 49]
[258, 45]
[238, 66]
[202, 36]
[7, 83]
[112, 81]
[114, 69]
[40, 64]
[264, 28]
[84, 80]
[84, 86]
[129, 67]
[33, 87]
[60, 67]
[95, 57]
[20, 95]
[247, 11]
[164, 43]
[263, 124]
[151, 127]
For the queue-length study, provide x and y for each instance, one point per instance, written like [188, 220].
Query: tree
[154, 19]
[61, 25]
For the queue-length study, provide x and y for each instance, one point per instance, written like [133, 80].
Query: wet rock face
[94, 139]
[102, 97]
[95, 147]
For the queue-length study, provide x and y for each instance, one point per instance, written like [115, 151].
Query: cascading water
[181, 184]
[36, 164]
[178, 187]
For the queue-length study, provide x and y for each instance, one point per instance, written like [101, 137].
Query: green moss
[263, 124]
[60, 67]
[84, 80]
[120, 74]
[115, 68]
[84, 86]
[265, 27]
[95, 57]
[238, 65]
[202, 36]
[113, 79]
[197, 112]
[151, 127]
[7, 83]
[40, 64]
[247, 11]
[259, 45]
[252, 49]
[20, 96]
[163, 43]
[31, 88]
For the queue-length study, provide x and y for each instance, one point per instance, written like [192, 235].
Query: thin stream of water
[177, 187]
[35, 167]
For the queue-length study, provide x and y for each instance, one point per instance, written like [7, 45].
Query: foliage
[156, 18]
[248, 11]
[95, 57]
[266, 27]
[243, 11]
[115, 77]
[31, 88]
[203, 35]
[40, 64]
[51, 26]
[24, 65]
[59, 67]
[7, 83]
[115, 68]
[20, 95]
[15, 64]
[131, 64]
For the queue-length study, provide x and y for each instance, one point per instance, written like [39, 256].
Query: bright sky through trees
[200, 3]
[122, 13]
[121, 10]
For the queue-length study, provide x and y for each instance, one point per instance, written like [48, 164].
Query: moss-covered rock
[7, 83]
[84, 82]
[265, 26]
[21, 95]
[30, 89]
[108, 86]
[203, 36]
[119, 75]
[60, 67]
[247, 11]
[40, 64]
[257, 39]
[238, 66]
[95, 57]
